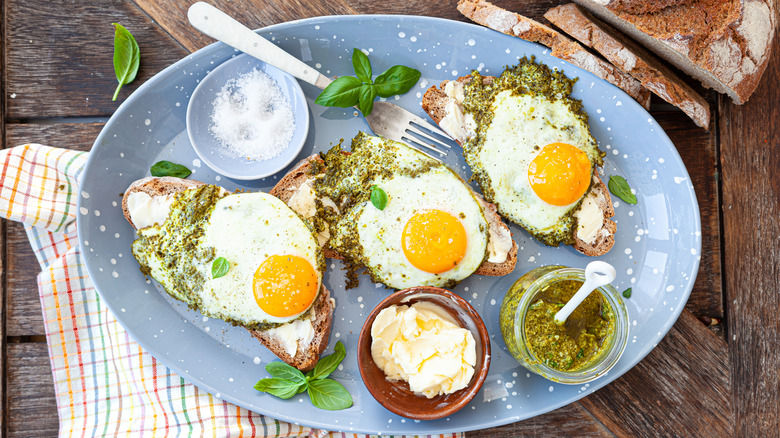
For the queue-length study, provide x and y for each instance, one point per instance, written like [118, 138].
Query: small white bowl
[209, 148]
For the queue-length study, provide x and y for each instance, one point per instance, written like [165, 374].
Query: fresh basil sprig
[127, 57]
[378, 198]
[620, 188]
[324, 393]
[360, 90]
[220, 267]
[166, 168]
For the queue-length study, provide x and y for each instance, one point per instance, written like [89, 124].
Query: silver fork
[386, 120]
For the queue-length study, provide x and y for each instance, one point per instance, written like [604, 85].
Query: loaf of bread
[632, 59]
[510, 23]
[725, 44]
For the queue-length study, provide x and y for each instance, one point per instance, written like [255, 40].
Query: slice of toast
[321, 312]
[510, 23]
[435, 102]
[287, 186]
[631, 58]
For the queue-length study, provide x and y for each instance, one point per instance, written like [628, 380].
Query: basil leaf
[620, 188]
[285, 371]
[328, 364]
[366, 100]
[344, 92]
[329, 394]
[627, 293]
[127, 57]
[220, 267]
[278, 387]
[396, 80]
[378, 198]
[166, 168]
[362, 66]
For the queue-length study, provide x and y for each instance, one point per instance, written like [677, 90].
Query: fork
[386, 120]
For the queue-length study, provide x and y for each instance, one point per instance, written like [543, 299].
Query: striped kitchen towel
[105, 383]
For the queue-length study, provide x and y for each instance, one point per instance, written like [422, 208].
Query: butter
[455, 123]
[303, 202]
[294, 333]
[590, 218]
[425, 347]
[148, 210]
[499, 244]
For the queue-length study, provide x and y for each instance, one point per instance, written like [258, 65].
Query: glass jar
[514, 309]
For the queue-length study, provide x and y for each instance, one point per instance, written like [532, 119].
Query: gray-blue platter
[657, 249]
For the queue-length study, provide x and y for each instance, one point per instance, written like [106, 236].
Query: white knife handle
[217, 24]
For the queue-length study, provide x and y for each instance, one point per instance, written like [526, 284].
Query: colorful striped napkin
[105, 383]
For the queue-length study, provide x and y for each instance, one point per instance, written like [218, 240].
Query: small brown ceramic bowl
[396, 395]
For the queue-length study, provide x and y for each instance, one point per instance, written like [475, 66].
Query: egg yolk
[285, 285]
[434, 241]
[560, 174]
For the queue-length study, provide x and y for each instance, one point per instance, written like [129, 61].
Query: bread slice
[321, 312]
[510, 23]
[435, 101]
[156, 186]
[632, 59]
[724, 44]
[306, 356]
[290, 183]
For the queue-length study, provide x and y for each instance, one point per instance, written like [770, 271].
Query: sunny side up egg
[274, 261]
[432, 230]
[534, 155]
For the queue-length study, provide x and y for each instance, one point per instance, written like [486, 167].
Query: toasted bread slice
[321, 312]
[288, 185]
[562, 47]
[435, 102]
[631, 58]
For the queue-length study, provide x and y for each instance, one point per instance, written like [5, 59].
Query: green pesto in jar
[579, 341]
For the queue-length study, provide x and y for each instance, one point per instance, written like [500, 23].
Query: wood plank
[750, 159]
[3, 289]
[32, 408]
[680, 389]
[171, 15]
[570, 420]
[59, 56]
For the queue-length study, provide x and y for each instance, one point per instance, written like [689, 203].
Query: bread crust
[321, 312]
[306, 356]
[631, 58]
[434, 102]
[510, 23]
[724, 44]
[285, 188]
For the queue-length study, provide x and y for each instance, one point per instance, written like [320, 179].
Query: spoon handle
[217, 24]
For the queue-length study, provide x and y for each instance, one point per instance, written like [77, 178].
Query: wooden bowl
[396, 395]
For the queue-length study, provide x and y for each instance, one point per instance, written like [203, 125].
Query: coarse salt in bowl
[247, 119]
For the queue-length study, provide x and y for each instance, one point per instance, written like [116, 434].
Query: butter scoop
[424, 346]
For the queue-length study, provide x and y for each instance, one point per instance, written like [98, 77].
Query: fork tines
[416, 137]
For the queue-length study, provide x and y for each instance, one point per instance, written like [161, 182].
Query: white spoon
[597, 274]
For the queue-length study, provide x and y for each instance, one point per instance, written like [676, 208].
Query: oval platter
[657, 249]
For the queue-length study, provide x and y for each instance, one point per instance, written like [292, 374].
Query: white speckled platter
[656, 252]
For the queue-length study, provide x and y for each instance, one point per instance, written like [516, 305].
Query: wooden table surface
[714, 374]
